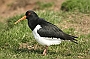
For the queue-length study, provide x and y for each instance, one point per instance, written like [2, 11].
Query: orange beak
[23, 18]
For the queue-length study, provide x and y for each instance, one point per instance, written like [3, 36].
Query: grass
[76, 5]
[16, 40]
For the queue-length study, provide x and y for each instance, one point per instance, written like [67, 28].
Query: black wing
[50, 30]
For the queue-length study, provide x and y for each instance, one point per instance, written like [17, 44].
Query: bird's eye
[29, 13]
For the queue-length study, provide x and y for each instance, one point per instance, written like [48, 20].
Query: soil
[13, 7]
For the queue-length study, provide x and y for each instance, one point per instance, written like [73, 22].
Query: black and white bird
[45, 32]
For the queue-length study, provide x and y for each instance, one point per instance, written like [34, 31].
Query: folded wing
[52, 31]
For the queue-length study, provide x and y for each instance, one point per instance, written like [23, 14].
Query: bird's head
[29, 15]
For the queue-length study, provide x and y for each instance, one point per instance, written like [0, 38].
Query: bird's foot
[44, 52]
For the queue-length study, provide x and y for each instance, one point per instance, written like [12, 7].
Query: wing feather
[50, 30]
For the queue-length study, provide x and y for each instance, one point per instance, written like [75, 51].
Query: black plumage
[42, 29]
[52, 31]
[48, 29]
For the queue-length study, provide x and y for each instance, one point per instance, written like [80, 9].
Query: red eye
[29, 13]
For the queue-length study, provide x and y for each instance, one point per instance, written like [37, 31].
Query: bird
[44, 32]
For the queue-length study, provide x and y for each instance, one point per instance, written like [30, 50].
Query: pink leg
[45, 51]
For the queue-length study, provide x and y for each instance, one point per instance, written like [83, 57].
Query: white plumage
[45, 40]
[46, 33]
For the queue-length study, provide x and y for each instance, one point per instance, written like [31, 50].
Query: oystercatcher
[45, 32]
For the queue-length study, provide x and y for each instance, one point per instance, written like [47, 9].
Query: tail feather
[71, 38]
[74, 37]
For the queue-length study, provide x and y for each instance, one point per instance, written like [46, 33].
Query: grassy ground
[17, 41]
[76, 5]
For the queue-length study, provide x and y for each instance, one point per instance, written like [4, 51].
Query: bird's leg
[45, 50]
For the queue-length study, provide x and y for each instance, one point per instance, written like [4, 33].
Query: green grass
[76, 5]
[13, 35]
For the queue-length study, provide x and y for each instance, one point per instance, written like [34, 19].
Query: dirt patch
[79, 21]
[13, 7]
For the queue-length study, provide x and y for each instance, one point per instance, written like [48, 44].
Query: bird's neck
[32, 23]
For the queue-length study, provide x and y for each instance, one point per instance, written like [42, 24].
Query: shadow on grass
[35, 51]
[28, 51]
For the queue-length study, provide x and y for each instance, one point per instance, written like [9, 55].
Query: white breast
[45, 40]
